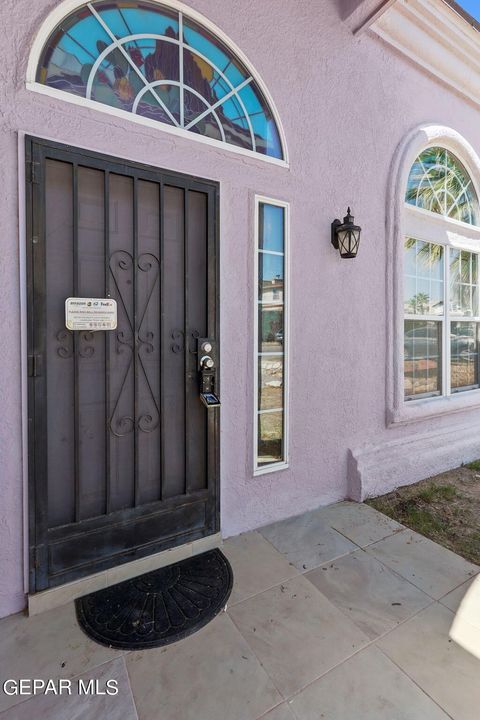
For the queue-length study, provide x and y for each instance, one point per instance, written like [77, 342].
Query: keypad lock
[207, 369]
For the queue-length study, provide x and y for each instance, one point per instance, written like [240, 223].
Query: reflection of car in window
[422, 342]
[463, 341]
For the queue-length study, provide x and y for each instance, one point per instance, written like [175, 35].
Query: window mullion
[477, 337]
[476, 309]
[447, 379]
[181, 72]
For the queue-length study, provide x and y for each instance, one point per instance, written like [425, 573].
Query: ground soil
[445, 508]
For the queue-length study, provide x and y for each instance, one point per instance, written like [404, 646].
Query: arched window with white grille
[441, 278]
[160, 65]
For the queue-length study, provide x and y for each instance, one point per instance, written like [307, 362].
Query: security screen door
[123, 455]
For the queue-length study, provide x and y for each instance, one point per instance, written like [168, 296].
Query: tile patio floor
[338, 614]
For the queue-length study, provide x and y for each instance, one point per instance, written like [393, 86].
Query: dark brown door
[123, 455]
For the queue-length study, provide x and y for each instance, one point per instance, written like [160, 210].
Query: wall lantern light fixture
[346, 236]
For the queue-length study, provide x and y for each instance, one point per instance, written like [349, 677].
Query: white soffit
[439, 39]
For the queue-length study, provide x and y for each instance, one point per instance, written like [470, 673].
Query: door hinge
[34, 365]
[33, 171]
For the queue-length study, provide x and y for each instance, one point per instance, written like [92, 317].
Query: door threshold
[63, 594]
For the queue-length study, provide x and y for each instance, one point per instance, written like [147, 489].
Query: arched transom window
[441, 278]
[438, 182]
[148, 59]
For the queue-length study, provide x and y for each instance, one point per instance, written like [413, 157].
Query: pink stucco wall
[346, 102]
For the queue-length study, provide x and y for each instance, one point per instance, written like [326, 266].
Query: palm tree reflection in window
[438, 182]
[463, 277]
[419, 303]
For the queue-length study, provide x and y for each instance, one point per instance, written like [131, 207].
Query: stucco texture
[345, 102]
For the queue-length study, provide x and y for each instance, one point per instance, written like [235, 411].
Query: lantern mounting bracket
[335, 225]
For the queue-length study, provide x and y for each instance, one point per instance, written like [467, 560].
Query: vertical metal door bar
[135, 347]
[214, 235]
[76, 399]
[212, 468]
[38, 385]
[31, 232]
[186, 328]
[106, 228]
[40, 340]
[161, 312]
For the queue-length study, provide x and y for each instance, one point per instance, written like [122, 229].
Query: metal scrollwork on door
[124, 342]
[178, 345]
[147, 342]
[147, 423]
[135, 339]
[83, 344]
[121, 269]
[65, 350]
[123, 425]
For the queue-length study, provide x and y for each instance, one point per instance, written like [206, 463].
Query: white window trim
[404, 220]
[69, 6]
[281, 464]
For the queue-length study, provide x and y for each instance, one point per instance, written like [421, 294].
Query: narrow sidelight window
[271, 308]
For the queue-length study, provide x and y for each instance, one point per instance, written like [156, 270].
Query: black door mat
[160, 607]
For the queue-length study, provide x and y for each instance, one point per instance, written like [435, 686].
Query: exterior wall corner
[354, 477]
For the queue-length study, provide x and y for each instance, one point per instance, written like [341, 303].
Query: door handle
[207, 369]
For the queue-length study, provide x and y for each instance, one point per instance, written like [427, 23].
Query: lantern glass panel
[348, 241]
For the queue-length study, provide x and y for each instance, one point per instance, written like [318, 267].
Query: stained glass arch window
[438, 182]
[159, 63]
